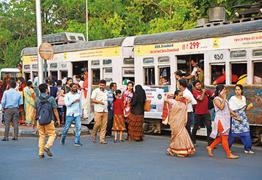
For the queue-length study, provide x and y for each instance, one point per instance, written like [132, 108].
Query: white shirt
[99, 95]
[194, 72]
[188, 95]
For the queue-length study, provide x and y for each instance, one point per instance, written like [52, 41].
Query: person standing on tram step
[190, 102]
[240, 128]
[221, 122]
[110, 95]
[73, 113]
[100, 100]
[127, 97]
[46, 109]
[11, 101]
[202, 114]
[193, 74]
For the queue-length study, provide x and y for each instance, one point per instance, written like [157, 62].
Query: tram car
[227, 51]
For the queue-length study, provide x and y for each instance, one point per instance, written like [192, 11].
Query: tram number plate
[218, 56]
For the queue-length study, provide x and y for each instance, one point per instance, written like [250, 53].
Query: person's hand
[58, 122]
[204, 91]
[250, 106]
[101, 102]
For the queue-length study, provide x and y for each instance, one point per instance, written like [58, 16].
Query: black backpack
[44, 111]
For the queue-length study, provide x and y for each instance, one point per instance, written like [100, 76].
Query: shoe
[209, 151]
[14, 139]
[103, 142]
[249, 152]
[5, 139]
[41, 156]
[78, 144]
[62, 141]
[232, 156]
[122, 140]
[48, 152]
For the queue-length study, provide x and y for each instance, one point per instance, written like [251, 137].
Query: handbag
[147, 105]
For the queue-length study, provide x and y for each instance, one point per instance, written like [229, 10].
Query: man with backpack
[46, 109]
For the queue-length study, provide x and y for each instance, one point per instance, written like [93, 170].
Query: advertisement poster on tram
[156, 96]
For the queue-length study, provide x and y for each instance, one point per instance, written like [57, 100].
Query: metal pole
[39, 40]
[89, 91]
[86, 20]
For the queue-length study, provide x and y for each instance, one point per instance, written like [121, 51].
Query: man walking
[46, 109]
[100, 100]
[110, 95]
[202, 115]
[73, 113]
[191, 101]
[10, 102]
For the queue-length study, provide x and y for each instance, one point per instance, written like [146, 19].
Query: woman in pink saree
[181, 144]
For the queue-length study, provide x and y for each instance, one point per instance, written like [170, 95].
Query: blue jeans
[69, 120]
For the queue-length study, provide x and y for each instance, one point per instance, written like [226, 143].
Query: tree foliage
[106, 19]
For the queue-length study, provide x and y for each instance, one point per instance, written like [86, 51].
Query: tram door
[54, 75]
[27, 76]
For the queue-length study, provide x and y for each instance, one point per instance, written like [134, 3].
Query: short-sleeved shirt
[188, 95]
[202, 106]
[99, 95]
[51, 99]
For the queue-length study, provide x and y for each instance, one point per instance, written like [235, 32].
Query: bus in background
[13, 72]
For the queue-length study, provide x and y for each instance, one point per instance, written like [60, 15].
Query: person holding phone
[221, 122]
[240, 128]
[73, 113]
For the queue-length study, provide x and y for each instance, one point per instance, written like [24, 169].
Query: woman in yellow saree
[29, 104]
[181, 144]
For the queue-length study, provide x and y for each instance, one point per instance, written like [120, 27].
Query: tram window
[238, 54]
[129, 61]
[218, 75]
[108, 80]
[148, 60]
[257, 52]
[96, 76]
[239, 73]
[149, 74]
[257, 73]
[107, 61]
[183, 65]
[95, 63]
[164, 75]
[128, 71]
[108, 70]
[164, 59]
[80, 38]
[72, 38]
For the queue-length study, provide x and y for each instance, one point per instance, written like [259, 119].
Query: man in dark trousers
[10, 102]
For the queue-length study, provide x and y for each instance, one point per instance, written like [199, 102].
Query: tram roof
[200, 33]
[78, 46]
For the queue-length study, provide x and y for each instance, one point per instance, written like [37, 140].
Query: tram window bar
[257, 52]
[107, 61]
[148, 60]
[129, 61]
[164, 59]
[95, 63]
[238, 54]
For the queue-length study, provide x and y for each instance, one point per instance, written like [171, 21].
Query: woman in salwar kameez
[181, 144]
[221, 122]
[29, 103]
[240, 129]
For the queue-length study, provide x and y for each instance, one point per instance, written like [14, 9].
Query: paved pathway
[128, 160]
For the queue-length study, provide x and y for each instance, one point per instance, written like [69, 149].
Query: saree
[127, 98]
[29, 105]
[181, 144]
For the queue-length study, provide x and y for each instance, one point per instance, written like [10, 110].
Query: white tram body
[235, 48]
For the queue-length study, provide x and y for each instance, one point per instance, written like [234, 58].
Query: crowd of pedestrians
[54, 104]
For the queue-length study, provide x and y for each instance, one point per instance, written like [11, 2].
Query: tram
[228, 50]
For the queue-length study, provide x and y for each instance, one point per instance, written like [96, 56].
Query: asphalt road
[128, 160]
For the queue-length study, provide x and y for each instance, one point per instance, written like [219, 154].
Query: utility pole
[39, 41]
[86, 20]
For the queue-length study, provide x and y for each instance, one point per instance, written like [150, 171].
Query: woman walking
[221, 122]
[240, 128]
[136, 117]
[181, 144]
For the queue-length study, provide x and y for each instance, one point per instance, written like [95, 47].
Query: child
[119, 122]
